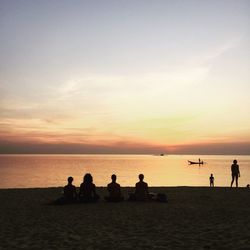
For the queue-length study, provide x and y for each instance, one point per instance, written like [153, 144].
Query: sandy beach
[194, 218]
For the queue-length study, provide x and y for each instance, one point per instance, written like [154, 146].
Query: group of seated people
[87, 192]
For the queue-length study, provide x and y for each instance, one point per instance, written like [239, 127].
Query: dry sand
[194, 218]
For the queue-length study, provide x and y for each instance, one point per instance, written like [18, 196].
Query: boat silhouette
[196, 162]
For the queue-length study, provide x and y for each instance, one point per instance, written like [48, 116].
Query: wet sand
[194, 218]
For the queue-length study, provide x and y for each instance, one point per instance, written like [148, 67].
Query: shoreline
[129, 187]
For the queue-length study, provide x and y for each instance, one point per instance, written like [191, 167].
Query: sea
[35, 171]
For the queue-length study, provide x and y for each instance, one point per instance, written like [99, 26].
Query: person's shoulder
[116, 185]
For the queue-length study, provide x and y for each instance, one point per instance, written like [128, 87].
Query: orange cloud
[81, 143]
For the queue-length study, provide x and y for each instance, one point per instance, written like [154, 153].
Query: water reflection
[172, 170]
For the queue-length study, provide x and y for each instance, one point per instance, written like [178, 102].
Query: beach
[193, 218]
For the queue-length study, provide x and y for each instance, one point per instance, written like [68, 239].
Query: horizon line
[52, 153]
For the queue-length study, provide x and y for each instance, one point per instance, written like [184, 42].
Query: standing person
[114, 190]
[87, 191]
[211, 178]
[235, 173]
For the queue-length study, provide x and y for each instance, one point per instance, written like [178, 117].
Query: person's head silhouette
[141, 177]
[88, 178]
[235, 161]
[70, 180]
[113, 178]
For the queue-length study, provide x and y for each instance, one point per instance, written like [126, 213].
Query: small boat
[161, 154]
[195, 162]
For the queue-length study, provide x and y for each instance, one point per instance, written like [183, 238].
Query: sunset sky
[125, 76]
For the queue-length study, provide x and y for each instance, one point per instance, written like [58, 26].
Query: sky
[125, 76]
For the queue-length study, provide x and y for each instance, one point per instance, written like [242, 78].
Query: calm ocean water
[23, 171]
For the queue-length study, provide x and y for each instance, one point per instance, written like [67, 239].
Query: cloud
[102, 91]
[112, 102]
[212, 54]
[69, 88]
[121, 147]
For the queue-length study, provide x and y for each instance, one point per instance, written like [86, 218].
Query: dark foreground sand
[194, 218]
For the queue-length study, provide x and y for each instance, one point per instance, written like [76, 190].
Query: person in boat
[114, 190]
[141, 190]
[87, 191]
[200, 161]
[235, 173]
[69, 194]
[211, 178]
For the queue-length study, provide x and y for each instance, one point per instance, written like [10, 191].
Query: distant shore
[194, 218]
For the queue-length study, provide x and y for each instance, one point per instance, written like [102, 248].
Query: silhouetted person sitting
[114, 190]
[211, 178]
[235, 173]
[141, 190]
[69, 194]
[69, 191]
[87, 191]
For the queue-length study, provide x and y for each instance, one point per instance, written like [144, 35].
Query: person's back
[87, 191]
[141, 189]
[235, 169]
[235, 173]
[69, 192]
[142, 193]
[114, 190]
[211, 180]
